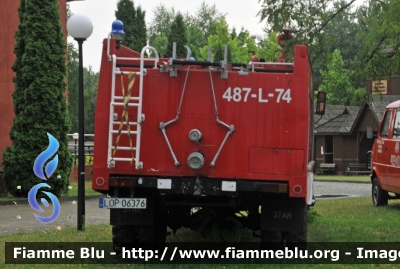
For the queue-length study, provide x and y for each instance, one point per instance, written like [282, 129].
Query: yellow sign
[379, 87]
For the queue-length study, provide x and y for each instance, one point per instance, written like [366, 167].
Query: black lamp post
[75, 136]
[80, 28]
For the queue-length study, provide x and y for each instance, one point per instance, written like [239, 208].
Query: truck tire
[153, 234]
[271, 240]
[379, 196]
[298, 239]
[156, 233]
[123, 236]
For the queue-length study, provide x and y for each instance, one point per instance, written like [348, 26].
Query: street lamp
[80, 28]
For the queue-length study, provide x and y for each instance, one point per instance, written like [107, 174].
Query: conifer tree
[177, 34]
[39, 100]
[140, 33]
[126, 13]
[73, 86]
[134, 24]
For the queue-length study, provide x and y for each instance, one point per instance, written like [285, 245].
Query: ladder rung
[122, 104]
[123, 132]
[122, 159]
[135, 59]
[124, 148]
[126, 73]
[122, 98]
[130, 123]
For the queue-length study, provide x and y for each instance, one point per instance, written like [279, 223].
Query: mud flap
[283, 215]
[137, 217]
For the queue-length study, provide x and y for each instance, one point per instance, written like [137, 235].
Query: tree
[134, 24]
[218, 41]
[199, 26]
[369, 42]
[345, 34]
[358, 97]
[268, 48]
[336, 81]
[161, 23]
[233, 33]
[381, 25]
[126, 13]
[140, 30]
[238, 50]
[178, 35]
[246, 46]
[90, 82]
[160, 43]
[39, 99]
[308, 18]
[196, 40]
[206, 18]
[73, 86]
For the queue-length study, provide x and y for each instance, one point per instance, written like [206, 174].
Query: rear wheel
[124, 233]
[298, 239]
[124, 236]
[157, 232]
[379, 196]
[271, 240]
[152, 234]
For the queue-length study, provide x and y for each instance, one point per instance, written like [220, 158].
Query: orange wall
[8, 27]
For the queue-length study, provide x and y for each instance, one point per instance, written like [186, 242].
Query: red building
[8, 27]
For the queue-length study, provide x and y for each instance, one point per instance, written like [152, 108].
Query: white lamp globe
[79, 26]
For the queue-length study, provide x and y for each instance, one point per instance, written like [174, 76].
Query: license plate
[138, 203]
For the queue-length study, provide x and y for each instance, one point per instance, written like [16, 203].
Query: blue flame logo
[38, 168]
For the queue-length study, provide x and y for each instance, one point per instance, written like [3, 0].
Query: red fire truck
[386, 157]
[177, 139]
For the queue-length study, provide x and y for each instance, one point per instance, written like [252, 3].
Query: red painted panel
[268, 111]
[270, 161]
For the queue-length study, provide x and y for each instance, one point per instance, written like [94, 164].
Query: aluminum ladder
[134, 101]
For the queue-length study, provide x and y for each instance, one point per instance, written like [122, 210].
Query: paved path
[19, 217]
[330, 189]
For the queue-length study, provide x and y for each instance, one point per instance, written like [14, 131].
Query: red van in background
[385, 174]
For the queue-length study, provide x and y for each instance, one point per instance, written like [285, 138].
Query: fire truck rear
[180, 139]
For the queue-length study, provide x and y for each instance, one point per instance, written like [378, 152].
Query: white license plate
[138, 203]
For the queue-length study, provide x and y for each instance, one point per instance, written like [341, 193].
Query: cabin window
[385, 124]
[396, 129]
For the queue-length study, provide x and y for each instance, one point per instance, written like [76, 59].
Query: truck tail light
[195, 160]
[297, 189]
[100, 181]
[122, 182]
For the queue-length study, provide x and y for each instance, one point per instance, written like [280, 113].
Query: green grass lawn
[73, 190]
[354, 220]
[339, 220]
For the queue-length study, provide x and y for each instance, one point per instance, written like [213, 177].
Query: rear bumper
[200, 186]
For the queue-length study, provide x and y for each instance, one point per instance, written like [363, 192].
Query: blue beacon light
[118, 32]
